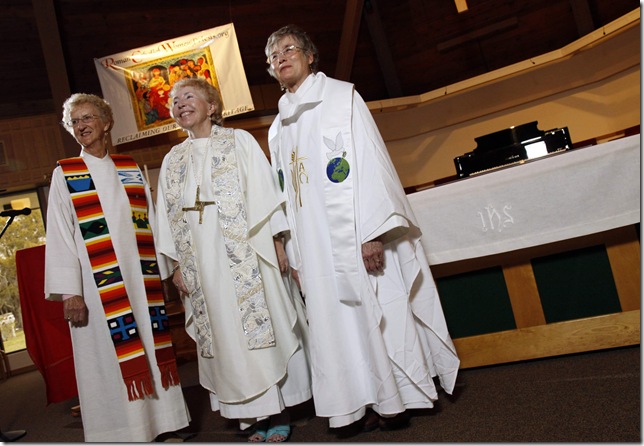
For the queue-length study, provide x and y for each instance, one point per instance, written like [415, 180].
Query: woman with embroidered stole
[221, 220]
[377, 333]
[100, 261]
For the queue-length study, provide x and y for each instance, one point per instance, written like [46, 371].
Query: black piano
[514, 145]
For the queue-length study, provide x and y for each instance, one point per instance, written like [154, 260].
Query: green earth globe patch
[337, 169]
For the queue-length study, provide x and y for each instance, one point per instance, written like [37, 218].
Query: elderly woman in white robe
[377, 333]
[221, 221]
[129, 389]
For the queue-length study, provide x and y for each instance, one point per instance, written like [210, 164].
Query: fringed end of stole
[169, 374]
[139, 386]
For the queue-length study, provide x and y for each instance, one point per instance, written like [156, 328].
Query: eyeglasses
[84, 119]
[287, 52]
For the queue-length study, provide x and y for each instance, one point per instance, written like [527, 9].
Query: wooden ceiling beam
[583, 17]
[52, 48]
[383, 51]
[349, 39]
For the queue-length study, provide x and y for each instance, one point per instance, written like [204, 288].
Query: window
[19, 231]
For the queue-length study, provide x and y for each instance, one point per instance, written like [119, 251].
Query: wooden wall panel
[32, 145]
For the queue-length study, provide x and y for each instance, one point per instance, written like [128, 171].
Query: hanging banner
[137, 82]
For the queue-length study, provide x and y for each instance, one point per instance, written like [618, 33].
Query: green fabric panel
[476, 303]
[576, 284]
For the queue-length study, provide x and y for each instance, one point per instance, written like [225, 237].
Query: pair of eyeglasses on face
[84, 119]
[287, 52]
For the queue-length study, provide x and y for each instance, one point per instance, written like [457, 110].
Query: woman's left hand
[282, 259]
[177, 280]
[373, 255]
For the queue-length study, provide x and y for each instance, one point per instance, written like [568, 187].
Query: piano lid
[508, 137]
[513, 145]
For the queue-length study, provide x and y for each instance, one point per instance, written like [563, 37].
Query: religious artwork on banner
[136, 82]
[150, 83]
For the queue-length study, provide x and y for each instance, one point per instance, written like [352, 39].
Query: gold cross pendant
[199, 206]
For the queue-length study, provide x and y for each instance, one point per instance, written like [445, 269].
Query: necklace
[199, 205]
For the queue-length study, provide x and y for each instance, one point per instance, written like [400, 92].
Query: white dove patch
[337, 169]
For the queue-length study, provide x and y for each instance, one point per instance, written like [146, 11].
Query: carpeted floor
[589, 397]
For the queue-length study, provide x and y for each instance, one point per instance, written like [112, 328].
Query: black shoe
[174, 437]
[371, 421]
[12, 435]
[398, 421]
[350, 430]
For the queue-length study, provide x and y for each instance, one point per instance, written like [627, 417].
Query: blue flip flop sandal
[260, 429]
[283, 430]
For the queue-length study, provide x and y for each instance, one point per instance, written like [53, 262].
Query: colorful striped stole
[109, 282]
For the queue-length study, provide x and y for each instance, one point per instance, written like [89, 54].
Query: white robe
[243, 383]
[375, 340]
[108, 415]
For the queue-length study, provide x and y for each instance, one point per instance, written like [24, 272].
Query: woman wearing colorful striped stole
[101, 262]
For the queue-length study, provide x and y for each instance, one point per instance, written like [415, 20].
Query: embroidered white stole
[243, 263]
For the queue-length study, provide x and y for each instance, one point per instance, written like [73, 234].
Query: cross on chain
[199, 206]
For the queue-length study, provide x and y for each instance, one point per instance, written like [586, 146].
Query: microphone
[14, 212]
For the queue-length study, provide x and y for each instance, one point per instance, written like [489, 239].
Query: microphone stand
[7, 225]
[10, 435]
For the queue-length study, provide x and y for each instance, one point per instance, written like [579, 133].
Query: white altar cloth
[559, 197]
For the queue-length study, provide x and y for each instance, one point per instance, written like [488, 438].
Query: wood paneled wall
[31, 147]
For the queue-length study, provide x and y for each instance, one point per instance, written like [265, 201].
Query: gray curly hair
[301, 38]
[103, 107]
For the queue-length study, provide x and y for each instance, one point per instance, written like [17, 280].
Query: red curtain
[46, 332]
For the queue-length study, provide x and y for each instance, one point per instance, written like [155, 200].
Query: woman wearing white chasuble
[377, 333]
[105, 270]
[221, 221]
